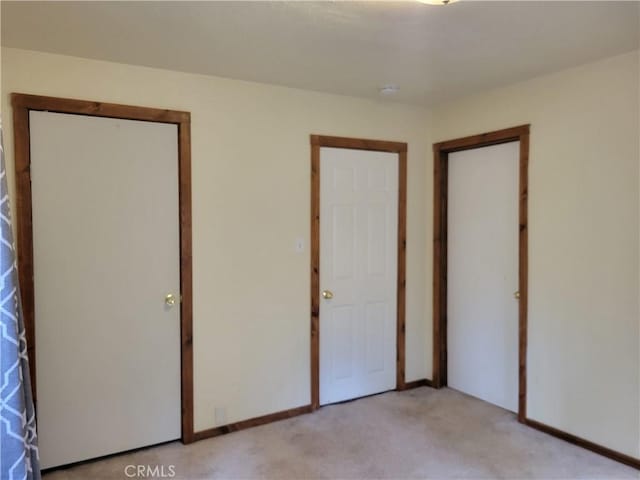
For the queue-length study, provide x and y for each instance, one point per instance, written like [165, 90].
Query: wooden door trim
[22, 105]
[441, 153]
[318, 141]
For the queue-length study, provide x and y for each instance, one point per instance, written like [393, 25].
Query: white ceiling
[433, 53]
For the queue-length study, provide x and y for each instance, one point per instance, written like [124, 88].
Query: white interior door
[106, 252]
[358, 265]
[482, 312]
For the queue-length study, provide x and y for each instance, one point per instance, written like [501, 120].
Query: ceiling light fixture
[389, 90]
[437, 2]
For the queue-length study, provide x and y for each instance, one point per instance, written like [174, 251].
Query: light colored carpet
[421, 433]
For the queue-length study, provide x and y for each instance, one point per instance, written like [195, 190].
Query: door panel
[342, 328]
[343, 241]
[358, 264]
[376, 239]
[376, 314]
[106, 252]
[482, 313]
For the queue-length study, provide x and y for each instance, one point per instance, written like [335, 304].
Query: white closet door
[358, 265]
[106, 252]
[482, 313]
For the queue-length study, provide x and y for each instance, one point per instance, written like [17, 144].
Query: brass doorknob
[327, 294]
[516, 295]
[169, 300]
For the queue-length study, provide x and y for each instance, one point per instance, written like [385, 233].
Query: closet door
[106, 262]
[482, 305]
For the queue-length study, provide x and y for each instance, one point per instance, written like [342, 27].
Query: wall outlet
[220, 415]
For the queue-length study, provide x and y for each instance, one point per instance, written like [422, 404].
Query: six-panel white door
[106, 252]
[358, 267]
[482, 251]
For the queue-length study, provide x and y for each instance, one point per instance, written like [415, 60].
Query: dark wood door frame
[441, 153]
[318, 141]
[22, 105]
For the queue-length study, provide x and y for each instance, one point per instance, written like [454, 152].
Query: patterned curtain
[18, 439]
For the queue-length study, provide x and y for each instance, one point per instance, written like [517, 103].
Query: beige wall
[251, 200]
[583, 360]
[251, 187]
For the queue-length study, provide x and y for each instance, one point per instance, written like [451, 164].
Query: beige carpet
[421, 433]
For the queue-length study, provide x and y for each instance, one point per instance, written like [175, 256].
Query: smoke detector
[388, 90]
[437, 2]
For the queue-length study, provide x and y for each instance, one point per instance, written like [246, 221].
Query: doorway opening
[318, 142]
[23, 104]
[442, 151]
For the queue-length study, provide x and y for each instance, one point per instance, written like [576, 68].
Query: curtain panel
[18, 438]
